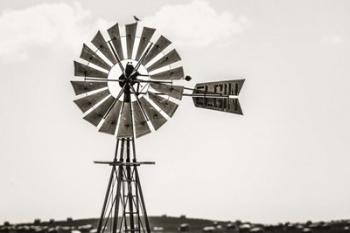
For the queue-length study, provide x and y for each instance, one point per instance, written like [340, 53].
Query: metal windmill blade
[140, 121]
[101, 44]
[155, 117]
[130, 37]
[88, 71]
[89, 101]
[96, 115]
[111, 118]
[146, 36]
[170, 90]
[157, 48]
[88, 55]
[168, 59]
[125, 129]
[165, 105]
[82, 87]
[116, 40]
[172, 74]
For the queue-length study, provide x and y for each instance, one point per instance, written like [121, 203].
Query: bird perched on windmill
[136, 19]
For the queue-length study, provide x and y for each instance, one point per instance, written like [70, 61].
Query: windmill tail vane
[129, 86]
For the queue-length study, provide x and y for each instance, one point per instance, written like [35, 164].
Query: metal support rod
[116, 57]
[137, 191]
[103, 80]
[212, 96]
[141, 59]
[115, 101]
[152, 81]
[137, 200]
[139, 103]
[206, 93]
[117, 196]
[100, 222]
[148, 228]
[198, 95]
[107, 192]
[123, 194]
[129, 181]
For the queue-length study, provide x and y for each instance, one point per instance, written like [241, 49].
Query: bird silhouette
[136, 19]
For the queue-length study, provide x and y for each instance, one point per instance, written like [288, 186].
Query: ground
[168, 224]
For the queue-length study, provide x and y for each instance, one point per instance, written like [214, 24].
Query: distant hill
[169, 224]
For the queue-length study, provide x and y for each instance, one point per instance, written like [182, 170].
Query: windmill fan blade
[88, 55]
[102, 46]
[110, 123]
[130, 30]
[141, 126]
[173, 74]
[173, 91]
[157, 48]
[230, 87]
[166, 105]
[87, 71]
[219, 104]
[115, 37]
[125, 124]
[155, 117]
[89, 101]
[146, 35]
[81, 87]
[168, 59]
[96, 115]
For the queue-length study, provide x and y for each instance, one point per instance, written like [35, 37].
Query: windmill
[128, 86]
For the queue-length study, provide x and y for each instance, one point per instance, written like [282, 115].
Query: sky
[286, 159]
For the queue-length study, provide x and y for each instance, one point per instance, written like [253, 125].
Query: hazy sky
[287, 158]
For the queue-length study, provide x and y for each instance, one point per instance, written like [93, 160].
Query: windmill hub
[129, 77]
[116, 74]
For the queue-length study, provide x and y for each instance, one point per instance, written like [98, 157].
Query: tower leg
[117, 198]
[111, 177]
[129, 180]
[124, 201]
[148, 228]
